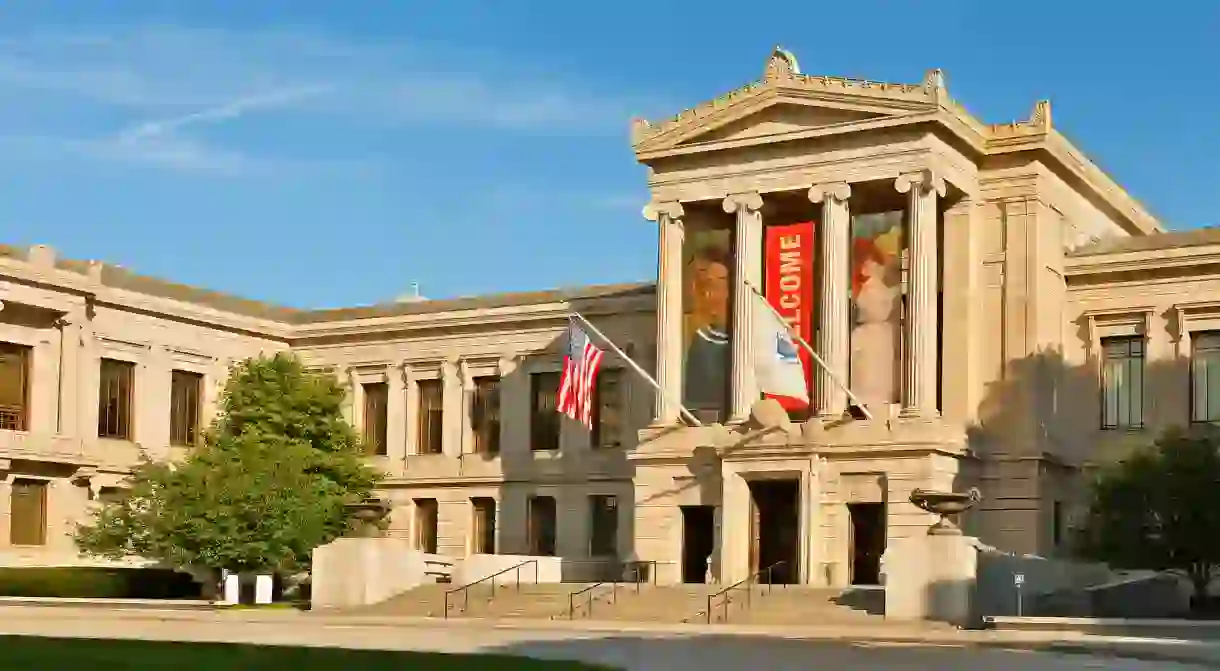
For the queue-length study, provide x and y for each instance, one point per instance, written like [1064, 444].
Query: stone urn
[367, 516]
[945, 504]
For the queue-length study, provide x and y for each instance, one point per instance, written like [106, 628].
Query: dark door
[698, 541]
[867, 542]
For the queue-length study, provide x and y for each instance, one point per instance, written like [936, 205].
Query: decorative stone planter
[368, 515]
[945, 504]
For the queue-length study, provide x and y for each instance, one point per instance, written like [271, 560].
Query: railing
[589, 593]
[726, 595]
[464, 590]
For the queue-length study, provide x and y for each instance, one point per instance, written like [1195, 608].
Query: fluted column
[668, 216]
[833, 333]
[922, 321]
[747, 261]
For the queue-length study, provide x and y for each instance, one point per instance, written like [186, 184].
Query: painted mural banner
[788, 284]
[707, 256]
[877, 246]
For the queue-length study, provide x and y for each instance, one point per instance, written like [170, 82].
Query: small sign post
[1018, 579]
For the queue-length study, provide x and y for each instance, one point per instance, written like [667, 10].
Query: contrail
[230, 110]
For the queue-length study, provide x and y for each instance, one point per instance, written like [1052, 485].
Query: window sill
[1124, 429]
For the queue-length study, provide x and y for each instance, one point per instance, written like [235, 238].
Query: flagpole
[636, 367]
[822, 364]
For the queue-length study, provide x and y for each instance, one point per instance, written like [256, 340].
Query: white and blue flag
[777, 361]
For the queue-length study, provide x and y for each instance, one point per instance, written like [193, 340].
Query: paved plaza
[632, 651]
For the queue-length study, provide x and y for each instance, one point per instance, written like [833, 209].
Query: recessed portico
[854, 179]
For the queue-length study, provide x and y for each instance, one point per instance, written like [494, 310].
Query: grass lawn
[21, 653]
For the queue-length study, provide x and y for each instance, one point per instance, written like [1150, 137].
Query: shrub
[98, 583]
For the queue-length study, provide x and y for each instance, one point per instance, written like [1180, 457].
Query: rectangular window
[376, 409]
[484, 532]
[431, 416]
[1205, 377]
[544, 419]
[185, 399]
[1057, 523]
[1122, 382]
[607, 410]
[427, 523]
[28, 513]
[115, 395]
[603, 525]
[542, 525]
[14, 386]
[485, 415]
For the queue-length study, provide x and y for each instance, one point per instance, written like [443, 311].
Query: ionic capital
[839, 191]
[745, 202]
[668, 208]
[926, 179]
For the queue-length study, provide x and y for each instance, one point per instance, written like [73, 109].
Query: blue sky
[319, 153]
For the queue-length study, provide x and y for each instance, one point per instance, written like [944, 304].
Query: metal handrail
[465, 589]
[724, 593]
[614, 586]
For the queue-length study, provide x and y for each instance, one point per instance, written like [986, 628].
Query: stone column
[396, 413]
[833, 333]
[747, 262]
[668, 216]
[922, 321]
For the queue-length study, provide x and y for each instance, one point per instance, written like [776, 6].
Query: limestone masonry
[1008, 315]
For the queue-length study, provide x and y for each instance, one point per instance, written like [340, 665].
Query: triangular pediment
[787, 103]
[780, 119]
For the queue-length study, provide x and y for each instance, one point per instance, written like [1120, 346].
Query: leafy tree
[269, 484]
[1159, 509]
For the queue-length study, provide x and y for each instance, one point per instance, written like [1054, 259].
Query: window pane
[431, 416]
[607, 410]
[1122, 379]
[485, 415]
[117, 380]
[544, 421]
[185, 399]
[376, 406]
[28, 513]
[14, 386]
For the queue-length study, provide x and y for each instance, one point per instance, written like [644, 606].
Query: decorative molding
[926, 179]
[839, 191]
[124, 344]
[749, 202]
[1102, 322]
[672, 210]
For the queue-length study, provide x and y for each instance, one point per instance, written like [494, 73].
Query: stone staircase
[533, 601]
[760, 605]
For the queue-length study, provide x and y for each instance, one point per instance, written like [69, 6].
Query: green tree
[271, 481]
[1159, 509]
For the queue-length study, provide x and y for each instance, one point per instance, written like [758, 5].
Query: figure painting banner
[877, 247]
[706, 275]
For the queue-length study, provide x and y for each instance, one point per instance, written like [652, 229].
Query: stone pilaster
[396, 413]
[833, 333]
[747, 260]
[922, 321]
[451, 408]
[668, 216]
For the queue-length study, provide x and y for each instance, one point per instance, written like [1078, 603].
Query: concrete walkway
[645, 649]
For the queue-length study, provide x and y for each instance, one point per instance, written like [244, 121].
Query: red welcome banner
[789, 287]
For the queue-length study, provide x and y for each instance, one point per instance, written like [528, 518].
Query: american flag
[581, 362]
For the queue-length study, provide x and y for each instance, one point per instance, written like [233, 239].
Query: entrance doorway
[867, 542]
[698, 541]
[775, 507]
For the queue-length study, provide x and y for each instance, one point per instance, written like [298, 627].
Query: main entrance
[775, 517]
[698, 541]
[867, 542]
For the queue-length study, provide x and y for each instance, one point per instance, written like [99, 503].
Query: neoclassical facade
[991, 308]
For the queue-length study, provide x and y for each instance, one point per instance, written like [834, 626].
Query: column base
[919, 413]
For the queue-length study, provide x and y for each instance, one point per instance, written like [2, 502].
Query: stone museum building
[1004, 314]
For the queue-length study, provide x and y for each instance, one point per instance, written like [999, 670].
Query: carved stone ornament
[945, 504]
[926, 179]
[781, 65]
[655, 210]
